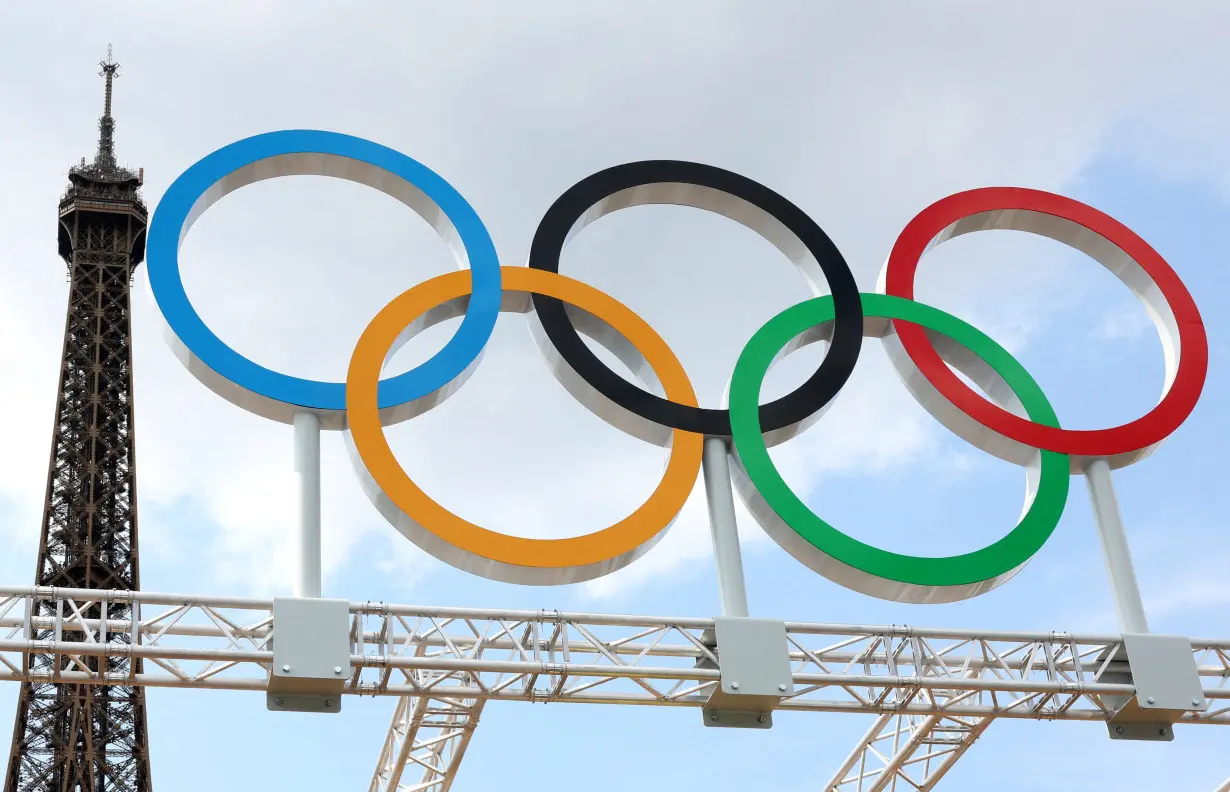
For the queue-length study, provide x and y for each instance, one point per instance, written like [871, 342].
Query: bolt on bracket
[754, 663]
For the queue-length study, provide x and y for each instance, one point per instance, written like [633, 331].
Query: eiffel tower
[90, 738]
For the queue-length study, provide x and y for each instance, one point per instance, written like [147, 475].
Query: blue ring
[179, 201]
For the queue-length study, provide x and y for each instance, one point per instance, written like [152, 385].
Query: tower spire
[105, 158]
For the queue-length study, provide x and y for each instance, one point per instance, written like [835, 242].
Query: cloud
[1124, 326]
[860, 116]
[860, 120]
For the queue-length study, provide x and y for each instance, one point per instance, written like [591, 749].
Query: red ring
[1145, 431]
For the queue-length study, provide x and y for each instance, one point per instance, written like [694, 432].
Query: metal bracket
[754, 662]
[311, 655]
[1163, 670]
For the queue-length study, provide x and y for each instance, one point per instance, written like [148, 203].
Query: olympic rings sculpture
[925, 345]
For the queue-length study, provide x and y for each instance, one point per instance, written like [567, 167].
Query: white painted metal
[931, 688]
[726, 551]
[904, 751]
[1225, 786]
[1115, 552]
[919, 750]
[307, 483]
[398, 650]
[916, 750]
[868, 767]
[425, 744]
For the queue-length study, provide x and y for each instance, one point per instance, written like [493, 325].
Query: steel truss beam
[907, 752]
[429, 735]
[933, 690]
[915, 750]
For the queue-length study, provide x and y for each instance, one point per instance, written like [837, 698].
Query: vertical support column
[753, 654]
[1160, 667]
[307, 533]
[1128, 605]
[722, 524]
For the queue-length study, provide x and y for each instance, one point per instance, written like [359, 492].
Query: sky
[861, 114]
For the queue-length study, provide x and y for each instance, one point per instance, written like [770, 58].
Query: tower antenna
[105, 158]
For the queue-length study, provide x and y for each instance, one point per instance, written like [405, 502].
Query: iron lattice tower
[90, 738]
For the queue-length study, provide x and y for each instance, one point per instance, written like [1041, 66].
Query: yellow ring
[470, 547]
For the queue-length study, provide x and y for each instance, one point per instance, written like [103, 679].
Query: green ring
[892, 575]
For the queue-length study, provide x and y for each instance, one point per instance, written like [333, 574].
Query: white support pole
[307, 533]
[722, 524]
[1128, 605]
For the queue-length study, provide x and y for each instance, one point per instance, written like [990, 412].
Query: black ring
[572, 207]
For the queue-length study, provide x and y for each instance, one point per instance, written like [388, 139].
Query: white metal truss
[915, 750]
[933, 690]
[907, 752]
[428, 736]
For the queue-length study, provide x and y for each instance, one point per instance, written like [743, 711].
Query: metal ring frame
[459, 542]
[1107, 241]
[305, 152]
[842, 558]
[746, 202]
[561, 307]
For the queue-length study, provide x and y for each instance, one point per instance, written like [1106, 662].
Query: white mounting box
[311, 654]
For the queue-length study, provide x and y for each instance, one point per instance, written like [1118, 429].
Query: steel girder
[933, 690]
